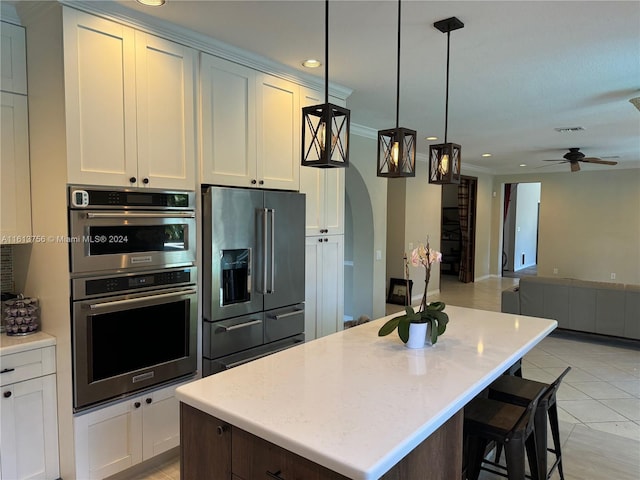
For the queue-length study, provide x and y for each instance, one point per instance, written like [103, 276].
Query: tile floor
[599, 400]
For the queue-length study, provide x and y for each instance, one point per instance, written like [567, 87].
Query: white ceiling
[518, 70]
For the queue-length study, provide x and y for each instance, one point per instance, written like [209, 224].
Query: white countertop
[357, 403]
[20, 343]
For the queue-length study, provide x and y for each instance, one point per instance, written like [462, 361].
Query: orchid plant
[431, 313]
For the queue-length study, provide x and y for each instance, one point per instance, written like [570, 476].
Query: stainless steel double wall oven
[133, 284]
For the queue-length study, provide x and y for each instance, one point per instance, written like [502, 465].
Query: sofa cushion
[582, 313]
[546, 297]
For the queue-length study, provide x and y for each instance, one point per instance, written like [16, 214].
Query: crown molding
[146, 23]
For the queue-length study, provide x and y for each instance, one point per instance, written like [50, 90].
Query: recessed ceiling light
[311, 63]
[431, 139]
[523, 164]
[152, 3]
[486, 155]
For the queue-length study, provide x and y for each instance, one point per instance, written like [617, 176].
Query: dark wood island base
[215, 450]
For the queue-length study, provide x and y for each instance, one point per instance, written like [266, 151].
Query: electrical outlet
[378, 254]
[555, 271]
[410, 245]
[613, 276]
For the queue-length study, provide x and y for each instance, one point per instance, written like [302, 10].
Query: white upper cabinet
[228, 99]
[129, 106]
[279, 132]
[250, 127]
[14, 59]
[15, 177]
[324, 187]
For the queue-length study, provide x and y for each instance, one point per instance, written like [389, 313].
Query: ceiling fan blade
[575, 167]
[555, 160]
[598, 160]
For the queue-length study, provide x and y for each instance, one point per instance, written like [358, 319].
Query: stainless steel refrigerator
[253, 275]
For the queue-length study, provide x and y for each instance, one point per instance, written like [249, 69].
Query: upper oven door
[117, 240]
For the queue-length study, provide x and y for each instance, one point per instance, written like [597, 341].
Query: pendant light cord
[446, 105]
[398, 70]
[326, 51]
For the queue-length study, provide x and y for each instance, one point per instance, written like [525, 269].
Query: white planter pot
[417, 335]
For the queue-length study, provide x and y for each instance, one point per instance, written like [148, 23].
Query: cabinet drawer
[17, 367]
[283, 323]
[256, 459]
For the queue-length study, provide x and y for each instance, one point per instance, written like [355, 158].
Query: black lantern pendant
[445, 158]
[325, 128]
[397, 146]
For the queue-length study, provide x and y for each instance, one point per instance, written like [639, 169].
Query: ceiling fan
[574, 155]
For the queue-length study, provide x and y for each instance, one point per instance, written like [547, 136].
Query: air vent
[569, 129]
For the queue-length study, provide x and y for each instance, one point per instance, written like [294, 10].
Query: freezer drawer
[232, 335]
[209, 367]
[283, 322]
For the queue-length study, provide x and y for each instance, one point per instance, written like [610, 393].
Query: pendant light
[325, 128]
[445, 158]
[397, 146]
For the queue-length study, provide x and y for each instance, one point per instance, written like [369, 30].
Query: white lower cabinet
[116, 437]
[29, 416]
[324, 281]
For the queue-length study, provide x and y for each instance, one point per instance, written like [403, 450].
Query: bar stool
[520, 391]
[510, 426]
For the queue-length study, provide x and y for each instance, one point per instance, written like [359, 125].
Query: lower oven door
[127, 343]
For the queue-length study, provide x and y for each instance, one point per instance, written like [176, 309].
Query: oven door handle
[129, 301]
[141, 215]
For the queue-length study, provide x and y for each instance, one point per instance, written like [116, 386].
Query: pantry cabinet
[116, 437]
[129, 106]
[324, 282]
[250, 127]
[28, 415]
[15, 176]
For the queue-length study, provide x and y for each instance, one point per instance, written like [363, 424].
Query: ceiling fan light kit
[325, 128]
[397, 146]
[445, 158]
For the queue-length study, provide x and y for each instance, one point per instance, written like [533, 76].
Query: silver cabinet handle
[240, 325]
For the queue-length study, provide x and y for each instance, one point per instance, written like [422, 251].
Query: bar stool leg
[477, 447]
[514, 453]
[555, 432]
[540, 432]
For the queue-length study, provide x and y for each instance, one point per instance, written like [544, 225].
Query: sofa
[585, 306]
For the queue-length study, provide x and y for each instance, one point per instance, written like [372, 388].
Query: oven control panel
[118, 284]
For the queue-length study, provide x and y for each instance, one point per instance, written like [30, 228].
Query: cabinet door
[332, 318]
[278, 133]
[324, 285]
[165, 113]
[29, 429]
[312, 286]
[99, 63]
[14, 59]
[228, 123]
[15, 184]
[108, 440]
[160, 422]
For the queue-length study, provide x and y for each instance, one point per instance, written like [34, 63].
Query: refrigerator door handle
[265, 245]
[272, 211]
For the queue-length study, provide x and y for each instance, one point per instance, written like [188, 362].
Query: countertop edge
[10, 344]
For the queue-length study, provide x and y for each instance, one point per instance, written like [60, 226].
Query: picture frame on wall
[398, 291]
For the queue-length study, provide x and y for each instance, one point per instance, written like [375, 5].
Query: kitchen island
[352, 404]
